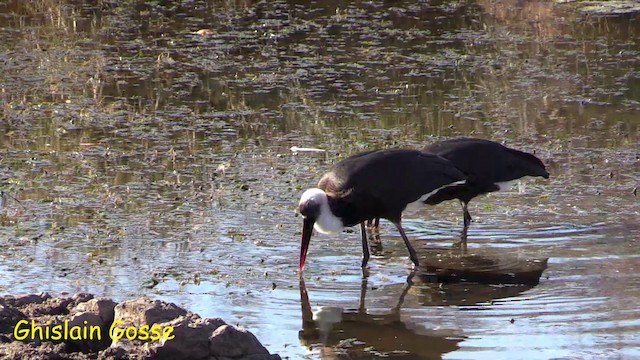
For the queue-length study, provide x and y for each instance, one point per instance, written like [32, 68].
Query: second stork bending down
[488, 166]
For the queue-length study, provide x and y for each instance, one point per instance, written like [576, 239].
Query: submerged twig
[3, 193]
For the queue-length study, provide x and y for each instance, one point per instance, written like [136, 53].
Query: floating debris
[204, 32]
[151, 283]
[221, 169]
[296, 149]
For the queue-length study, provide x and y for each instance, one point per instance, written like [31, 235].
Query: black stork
[488, 166]
[374, 184]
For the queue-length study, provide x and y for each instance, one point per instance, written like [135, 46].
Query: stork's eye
[304, 209]
[309, 208]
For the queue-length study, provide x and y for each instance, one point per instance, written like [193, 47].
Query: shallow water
[140, 158]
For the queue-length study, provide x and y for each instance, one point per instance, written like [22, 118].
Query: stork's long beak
[307, 229]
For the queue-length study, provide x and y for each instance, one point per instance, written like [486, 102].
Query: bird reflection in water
[355, 334]
[341, 333]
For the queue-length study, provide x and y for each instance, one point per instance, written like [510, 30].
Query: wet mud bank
[87, 327]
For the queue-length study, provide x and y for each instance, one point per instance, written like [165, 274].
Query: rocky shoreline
[40, 326]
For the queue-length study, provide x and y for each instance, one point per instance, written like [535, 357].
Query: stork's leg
[467, 221]
[373, 224]
[375, 243]
[365, 245]
[412, 252]
[467, 216]
[374, 234]
[363, 291]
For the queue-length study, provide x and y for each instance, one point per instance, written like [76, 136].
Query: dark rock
[191, 338]
[25, 299]
[98, 340]
[89, 313]
[144, 311]
[81, 298]
[51, 306]
[229, 341]
[9, 317]
[104, 307]
[113, 353]
[48, 351]
[131, 348]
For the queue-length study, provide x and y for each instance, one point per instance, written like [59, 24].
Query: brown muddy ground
[145, 150]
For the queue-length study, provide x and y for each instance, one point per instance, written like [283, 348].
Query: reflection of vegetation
[608, 7]
[97, 86]
[507, 75]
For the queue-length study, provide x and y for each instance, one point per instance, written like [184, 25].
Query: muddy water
[140, 156]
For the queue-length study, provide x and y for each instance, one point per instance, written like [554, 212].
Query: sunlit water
[150, 160]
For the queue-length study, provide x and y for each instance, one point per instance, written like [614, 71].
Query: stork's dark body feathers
[485, 163]
[374, 184]
[361, 192]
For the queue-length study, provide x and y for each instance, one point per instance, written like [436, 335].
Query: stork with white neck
[374, 184]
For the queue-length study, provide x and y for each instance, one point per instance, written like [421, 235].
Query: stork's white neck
[326, 222]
